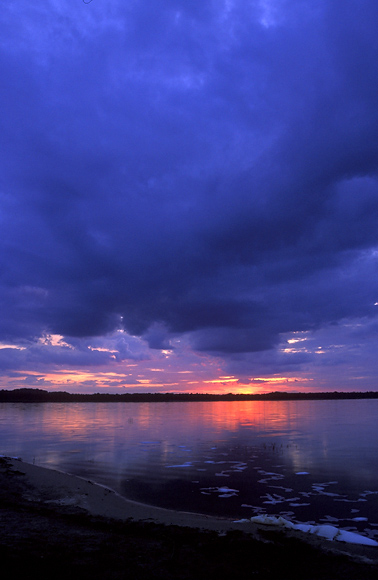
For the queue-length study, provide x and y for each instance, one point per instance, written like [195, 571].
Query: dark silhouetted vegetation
[42, 396]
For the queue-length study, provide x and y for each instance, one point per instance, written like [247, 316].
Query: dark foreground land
[38, 540]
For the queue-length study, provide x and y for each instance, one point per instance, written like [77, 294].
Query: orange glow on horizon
[222, 381]
[276, 379]
[130, 380]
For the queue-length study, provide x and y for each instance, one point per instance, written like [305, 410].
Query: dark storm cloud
[174, 169]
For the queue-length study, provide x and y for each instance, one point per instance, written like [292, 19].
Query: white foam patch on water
[324, 531]
[302, 473]
[186, 464]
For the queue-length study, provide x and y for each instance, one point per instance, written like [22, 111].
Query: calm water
[311, 461]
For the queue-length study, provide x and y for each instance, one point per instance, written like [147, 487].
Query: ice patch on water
[286, 489]
[350, 500]
[235, 467]
[320, 489]
[273, 499]
[227, 489]
[223, 491]
[298, 504]
[329, 519]
[269, 476]
[324, 531]
[325, 484]
[240, 466]
[256, 509]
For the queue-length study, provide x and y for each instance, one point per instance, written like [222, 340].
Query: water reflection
[304, 459]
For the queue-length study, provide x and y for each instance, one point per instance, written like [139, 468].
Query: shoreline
[33, 491]
[53, 487]
[57, 488]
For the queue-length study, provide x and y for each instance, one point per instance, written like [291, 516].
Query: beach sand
[55, 525]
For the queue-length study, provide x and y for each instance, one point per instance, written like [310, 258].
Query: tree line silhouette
[29, 395]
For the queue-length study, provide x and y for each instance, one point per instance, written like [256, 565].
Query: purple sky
[189, 195]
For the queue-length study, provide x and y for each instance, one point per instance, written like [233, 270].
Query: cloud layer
[173, 169]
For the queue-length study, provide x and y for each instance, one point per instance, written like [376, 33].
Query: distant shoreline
[41, 396]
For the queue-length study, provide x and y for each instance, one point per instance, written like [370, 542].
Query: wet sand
[56, 525]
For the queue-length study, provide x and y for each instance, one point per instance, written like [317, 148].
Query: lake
[309, 461]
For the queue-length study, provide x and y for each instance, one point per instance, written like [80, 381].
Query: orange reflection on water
[168, 421]
[85, 427]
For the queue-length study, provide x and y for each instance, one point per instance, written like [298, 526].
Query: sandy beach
[54, 524]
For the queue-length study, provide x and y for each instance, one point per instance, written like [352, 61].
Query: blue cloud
[208, 170]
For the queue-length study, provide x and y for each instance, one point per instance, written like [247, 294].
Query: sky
[189, 195]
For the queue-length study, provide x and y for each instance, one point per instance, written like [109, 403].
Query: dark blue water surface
[310, 461]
